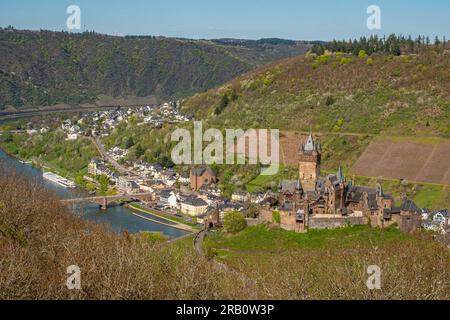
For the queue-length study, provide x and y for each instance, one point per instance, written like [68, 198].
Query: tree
[139, 151]
[276, 217]
[234, 222]
[129, 143]
[224, 101]
[437, 43]
[104, 184]
[8, 137]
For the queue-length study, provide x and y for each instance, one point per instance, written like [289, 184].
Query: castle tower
[309, 164]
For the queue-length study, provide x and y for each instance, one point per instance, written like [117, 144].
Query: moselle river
[118, 217]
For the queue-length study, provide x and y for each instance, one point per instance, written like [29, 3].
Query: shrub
[330, 101]
[234, 222]
[362, 54]
[40, 238]
[344, 61]
[276, 217]
[369, 61]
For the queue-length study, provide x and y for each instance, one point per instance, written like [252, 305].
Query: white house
[72, 137]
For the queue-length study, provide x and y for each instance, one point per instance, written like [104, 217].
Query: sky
[244, 19]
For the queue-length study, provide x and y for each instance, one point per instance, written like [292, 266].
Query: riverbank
[174, 223]
[118, 218]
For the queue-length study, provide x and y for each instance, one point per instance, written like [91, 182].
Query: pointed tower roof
[380, 190]
[340, 174]
[310, 144]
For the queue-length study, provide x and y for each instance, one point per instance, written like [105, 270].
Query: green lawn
[175, 219]
[430, 196]
[262, 238]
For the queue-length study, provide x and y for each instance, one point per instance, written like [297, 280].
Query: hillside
[332, 264]
[339, 93]
[40, 239]
[48, 68]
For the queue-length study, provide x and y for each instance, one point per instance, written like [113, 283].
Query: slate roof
[198, 172]
[372, 201]
[409, 206]
[288, 206]
[195, 201]
[166, 193]
[290, 186]
[320, 185]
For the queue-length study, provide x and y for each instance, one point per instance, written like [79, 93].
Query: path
[222, 267]
[170, 223]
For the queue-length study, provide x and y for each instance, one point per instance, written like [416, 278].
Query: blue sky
[250, 19]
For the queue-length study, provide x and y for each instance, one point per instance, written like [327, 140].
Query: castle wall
[335, 222]
[308, 175]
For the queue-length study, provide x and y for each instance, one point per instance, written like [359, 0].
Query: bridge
[103, 201]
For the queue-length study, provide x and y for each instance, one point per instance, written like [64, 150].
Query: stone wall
[335, 222]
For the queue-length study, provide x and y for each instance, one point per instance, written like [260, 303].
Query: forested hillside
[337, 92]
[46, 68]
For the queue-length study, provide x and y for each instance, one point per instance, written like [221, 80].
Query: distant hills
[47, 68]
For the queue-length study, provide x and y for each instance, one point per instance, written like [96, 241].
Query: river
[118, 217]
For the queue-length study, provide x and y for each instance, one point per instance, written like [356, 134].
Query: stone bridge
[103, 201]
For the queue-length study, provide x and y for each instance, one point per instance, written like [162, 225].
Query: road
[4, 116]
[101, 149]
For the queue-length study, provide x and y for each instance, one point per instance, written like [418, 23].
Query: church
[316, 201]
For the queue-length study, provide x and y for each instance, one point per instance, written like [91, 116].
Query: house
[425, 214]
[240, 196]
[97, 168]
[72, 137]
[431, 225]
[169, 177]
[257, 197]
[193, 206]
[128, 185]
[202, 177]
[168, 198]
[184, 179]
[226, 207]
[441, 217]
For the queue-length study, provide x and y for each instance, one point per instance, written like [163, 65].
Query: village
[312, 201]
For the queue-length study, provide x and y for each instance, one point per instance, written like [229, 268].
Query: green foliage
[88, 65]
[129, 142]
[140, 151]
[345, 61]
[393, 45]
[234, 222]
[369, 61]
[276, 217]
[329, 101]
[362, 54]
[7, 137]
[51, 149]
[324, 58]
[227, 97]
[104, 184]
[224, 101]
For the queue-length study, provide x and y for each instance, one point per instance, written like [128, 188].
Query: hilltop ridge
[45, 68]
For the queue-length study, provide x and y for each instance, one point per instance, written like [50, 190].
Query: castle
[317, 201]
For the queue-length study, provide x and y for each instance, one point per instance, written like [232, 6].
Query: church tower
[309, 164]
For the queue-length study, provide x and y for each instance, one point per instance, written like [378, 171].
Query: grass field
[332, 264]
